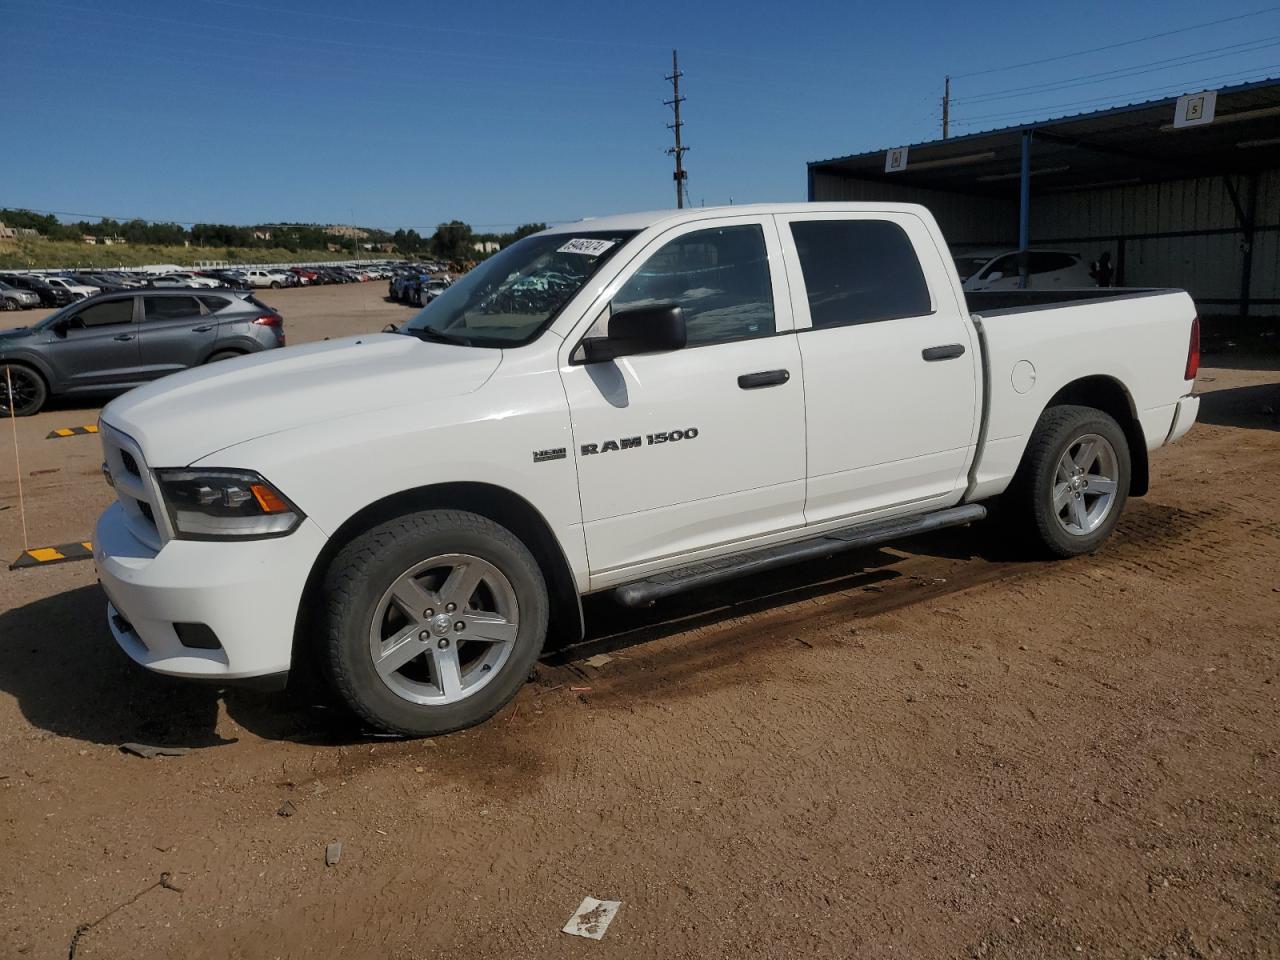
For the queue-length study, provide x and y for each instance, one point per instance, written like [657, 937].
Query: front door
[890, 370]
[177, 333]
[697, 449]
[97, 345]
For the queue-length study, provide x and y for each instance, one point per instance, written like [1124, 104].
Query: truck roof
[649, 218]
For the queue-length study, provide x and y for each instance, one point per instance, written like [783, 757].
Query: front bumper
[246, 592]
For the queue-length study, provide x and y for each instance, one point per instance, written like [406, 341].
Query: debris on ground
[287, 809]
[579, 689]
[592, 918]
[149, 752]
[598, 661]
[332, 854]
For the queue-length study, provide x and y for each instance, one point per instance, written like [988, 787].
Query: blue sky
[398, 114]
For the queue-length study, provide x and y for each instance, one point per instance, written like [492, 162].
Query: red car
[305, 274]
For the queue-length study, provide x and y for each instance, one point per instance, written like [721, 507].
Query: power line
[1119, 73]
[1118, 44]
[1111, 98]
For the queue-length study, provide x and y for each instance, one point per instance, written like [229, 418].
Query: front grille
[130, 463]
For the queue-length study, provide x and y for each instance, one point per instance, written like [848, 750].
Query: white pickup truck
[642, 404]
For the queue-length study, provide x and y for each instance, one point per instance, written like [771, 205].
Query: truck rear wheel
[433, 621]
[1073, 481]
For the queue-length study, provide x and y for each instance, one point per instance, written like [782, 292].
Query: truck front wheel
[433, 621]
[1073, 481]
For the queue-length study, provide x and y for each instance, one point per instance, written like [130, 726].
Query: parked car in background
[998, 270]
[104, 283]
[115, 341]
[274, 279]
[77, 290]
[414, 512]
[174, 280]
[50, 296]
[305, 275]
[16, 298]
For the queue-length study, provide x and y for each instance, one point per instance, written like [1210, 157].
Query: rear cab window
[859, 271]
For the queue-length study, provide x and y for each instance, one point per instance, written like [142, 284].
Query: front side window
[719, 277]
[106, 314]
[859, 271]
[511, 298]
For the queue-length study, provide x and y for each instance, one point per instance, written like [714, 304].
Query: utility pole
[678, 150]
[946, 109]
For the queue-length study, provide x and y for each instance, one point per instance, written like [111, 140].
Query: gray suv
[114, 341]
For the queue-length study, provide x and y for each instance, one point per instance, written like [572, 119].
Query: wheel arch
[497, 503]
[1111, 397]
[36, 363]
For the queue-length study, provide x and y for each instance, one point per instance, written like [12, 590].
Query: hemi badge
[541, 456]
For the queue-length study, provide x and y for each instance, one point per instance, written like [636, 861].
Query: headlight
[225, 505]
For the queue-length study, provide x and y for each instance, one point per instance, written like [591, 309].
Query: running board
[644, 593]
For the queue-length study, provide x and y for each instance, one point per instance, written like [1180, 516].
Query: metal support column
[1024, 212]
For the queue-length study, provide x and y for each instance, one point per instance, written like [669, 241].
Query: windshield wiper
[439, 336]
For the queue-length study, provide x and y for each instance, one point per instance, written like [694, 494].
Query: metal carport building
[1188, 206]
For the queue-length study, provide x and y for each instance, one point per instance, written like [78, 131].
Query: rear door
[693, 449]
[98, 345]
[177, 333]
[890, 370]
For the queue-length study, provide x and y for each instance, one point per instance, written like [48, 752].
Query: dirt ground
[926, 751]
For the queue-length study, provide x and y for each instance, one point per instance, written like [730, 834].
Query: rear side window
[1048, 262]
[859, 271]
[720, 277]
[105, 314]
[169, 308]
[214, 304]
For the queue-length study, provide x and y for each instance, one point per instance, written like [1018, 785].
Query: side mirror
[995, 275]
[652, 329]
[390, 328]
[60, 328]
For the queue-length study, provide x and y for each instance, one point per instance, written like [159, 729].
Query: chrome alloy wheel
[444, 629]
[1084, 484]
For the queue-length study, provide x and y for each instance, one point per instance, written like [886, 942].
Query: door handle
[204, 329]
[765, 378]
[123, 337]
[949, 352]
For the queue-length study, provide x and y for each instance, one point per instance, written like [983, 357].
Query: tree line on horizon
[454, 240]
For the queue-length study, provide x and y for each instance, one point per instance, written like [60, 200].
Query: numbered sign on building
[895, 160]
[1195, 109]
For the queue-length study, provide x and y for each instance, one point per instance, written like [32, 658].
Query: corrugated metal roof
[1122, 142]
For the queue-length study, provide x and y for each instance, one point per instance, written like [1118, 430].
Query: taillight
[1193, 351]
[269, 320]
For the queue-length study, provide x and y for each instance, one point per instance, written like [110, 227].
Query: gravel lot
[926, 751]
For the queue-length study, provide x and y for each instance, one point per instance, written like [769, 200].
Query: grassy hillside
[30, 253]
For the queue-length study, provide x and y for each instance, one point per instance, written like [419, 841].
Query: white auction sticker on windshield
[586, 247]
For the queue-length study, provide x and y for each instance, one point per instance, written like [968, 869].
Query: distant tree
[453, 240]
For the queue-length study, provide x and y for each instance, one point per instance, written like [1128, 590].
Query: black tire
[224, 355]
[28, 386]
[275, 284]
[364, 570]
[7, 304]
[1029, 503]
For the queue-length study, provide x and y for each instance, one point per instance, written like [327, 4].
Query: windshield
[968, 266]
[511, 297]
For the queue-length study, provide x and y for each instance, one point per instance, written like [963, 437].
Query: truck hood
[181, 418]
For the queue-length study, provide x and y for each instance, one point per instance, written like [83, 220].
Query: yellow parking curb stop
[72, 431]
[63, 553]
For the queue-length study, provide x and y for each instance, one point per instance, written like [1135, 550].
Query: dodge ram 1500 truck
[642, 404]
